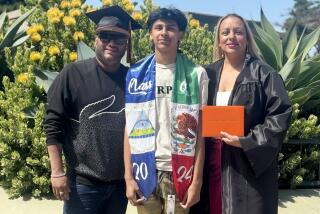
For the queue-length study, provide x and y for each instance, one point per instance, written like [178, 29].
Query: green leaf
[295, 50]
[267, 27]
[314, 84]
[2, 19]
[9, 37]
[271, 43]
[267, 54]
[20, 41]
[315, 58]
[84, 51]
[307, 42]
[290, 83]
[312, 103]
[30, 112]
[304, 94]
[45, 78]
[19, 35]
[290, 40]
[310, 72]
[290, 71]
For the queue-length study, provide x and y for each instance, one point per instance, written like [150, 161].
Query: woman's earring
[248, 56]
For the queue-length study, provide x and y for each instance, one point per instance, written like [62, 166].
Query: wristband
[58, 175]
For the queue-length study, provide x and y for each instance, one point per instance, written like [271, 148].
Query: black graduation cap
[115, 19]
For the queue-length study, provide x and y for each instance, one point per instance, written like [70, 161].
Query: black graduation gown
[249, 174]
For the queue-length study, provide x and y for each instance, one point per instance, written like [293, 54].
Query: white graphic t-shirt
[164, 86]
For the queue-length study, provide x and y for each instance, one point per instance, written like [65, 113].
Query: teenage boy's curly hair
[168, 14]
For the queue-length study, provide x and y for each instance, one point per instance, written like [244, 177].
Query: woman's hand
[231, 140]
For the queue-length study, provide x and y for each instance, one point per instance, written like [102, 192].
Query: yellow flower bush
[38, 27]
[129, 7]
[78, 36]
[54, 15]
[73, 56]
[54, 50]
[35, 56]
[137, 16]
[106, 3]
[35, 29]
[124, 2]
[23, 78]
[75, 3]
[194, 23]
[65, 4]
[54, 20]
[31, 30]
[35, 37]
[69, 20]
[74, 12]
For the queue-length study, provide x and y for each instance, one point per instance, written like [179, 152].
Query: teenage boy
[163, 149]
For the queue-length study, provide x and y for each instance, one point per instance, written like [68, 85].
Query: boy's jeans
[157, 202]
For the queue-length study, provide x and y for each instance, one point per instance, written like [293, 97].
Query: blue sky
[275, 10]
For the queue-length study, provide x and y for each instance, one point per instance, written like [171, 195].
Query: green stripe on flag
[185, 84]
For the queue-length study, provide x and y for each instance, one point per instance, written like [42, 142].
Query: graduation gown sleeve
[263, 142]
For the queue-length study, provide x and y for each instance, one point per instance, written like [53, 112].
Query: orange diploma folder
[229, 119]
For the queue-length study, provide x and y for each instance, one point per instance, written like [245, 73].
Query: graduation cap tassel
[129, 46]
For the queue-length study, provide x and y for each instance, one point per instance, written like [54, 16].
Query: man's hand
[59, 182]
[60, 188]
[133, 193]
[192, 196]
[231, 140]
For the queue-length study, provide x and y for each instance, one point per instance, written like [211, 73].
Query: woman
[243, 170]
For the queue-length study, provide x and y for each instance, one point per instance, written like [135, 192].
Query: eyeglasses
[118, 39]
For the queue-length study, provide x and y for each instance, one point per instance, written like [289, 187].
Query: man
[164, 152]
[85, 118]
